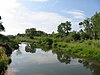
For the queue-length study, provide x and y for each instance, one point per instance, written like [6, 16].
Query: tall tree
[96, 24]
[87, 26]
[1, 26]
[64, 28]
[92, 26]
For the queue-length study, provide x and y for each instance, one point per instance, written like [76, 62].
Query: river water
[42, 62]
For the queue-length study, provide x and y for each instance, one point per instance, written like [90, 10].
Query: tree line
[89, 29]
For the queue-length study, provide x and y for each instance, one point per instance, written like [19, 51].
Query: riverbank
[51, 62]
[4, 60]
[7, 46]
[82, 48]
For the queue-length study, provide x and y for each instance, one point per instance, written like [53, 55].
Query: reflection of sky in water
[40, 57]
[43, 63]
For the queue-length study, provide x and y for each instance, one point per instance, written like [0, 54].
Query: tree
[92, 26]
[64, 28]
[96, 24]
[87, 32]
[1, 26]
[87, 25]
[30, 32]
[40, 33]
[75, 35]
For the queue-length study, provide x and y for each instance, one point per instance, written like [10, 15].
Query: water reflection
[30, 48]
[62, 56]
[35, 61]
[18, 52]
[93, 66]
[45, 48]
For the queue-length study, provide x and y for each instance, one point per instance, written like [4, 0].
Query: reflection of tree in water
[45, 48]
[30, 48]
[94, 67]
[62, 56]
[18, 52]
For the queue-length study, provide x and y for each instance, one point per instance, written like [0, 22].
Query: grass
[86, 48]
[4, 59]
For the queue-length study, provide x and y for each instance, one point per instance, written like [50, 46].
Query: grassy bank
[4, 60]
[82, 48]
[7, 45]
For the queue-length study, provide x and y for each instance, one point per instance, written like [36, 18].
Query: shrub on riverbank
[7, 45]
[5, 40]
[46, 41]
[4, 59]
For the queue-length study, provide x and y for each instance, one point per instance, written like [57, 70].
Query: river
[41, 62]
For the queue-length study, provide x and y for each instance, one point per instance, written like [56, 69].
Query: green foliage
[64, 28]
[80, 48]
[76, 36]
[96, 24]
[92, 26]
[32, 33]
[14, 45]
[79, 43]
[10, 42]
[25, 39]
[46, 41]
[3, 39]
[4, 60]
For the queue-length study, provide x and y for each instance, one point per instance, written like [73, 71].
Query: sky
[44, 15]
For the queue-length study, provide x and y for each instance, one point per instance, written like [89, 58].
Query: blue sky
[89, 6]
[44, 15]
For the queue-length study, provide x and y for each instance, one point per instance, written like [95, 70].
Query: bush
[46, 41]
[4, 60]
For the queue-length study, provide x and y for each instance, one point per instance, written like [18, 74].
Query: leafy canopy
[64, 28]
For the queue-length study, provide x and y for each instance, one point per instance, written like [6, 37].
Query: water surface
[41, 62]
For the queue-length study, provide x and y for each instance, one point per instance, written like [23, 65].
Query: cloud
[48, 21]
[75, 26]
[16, 18]
[76, 17]
[77, 14]
[40, 0]
[43, 58]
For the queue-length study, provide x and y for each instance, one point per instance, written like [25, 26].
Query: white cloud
[77, 14]
[47, 21]
[75, 26]
[39, 0]
[43, 58]
[16, 18]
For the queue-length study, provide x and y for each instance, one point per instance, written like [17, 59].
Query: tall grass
[4, 59]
